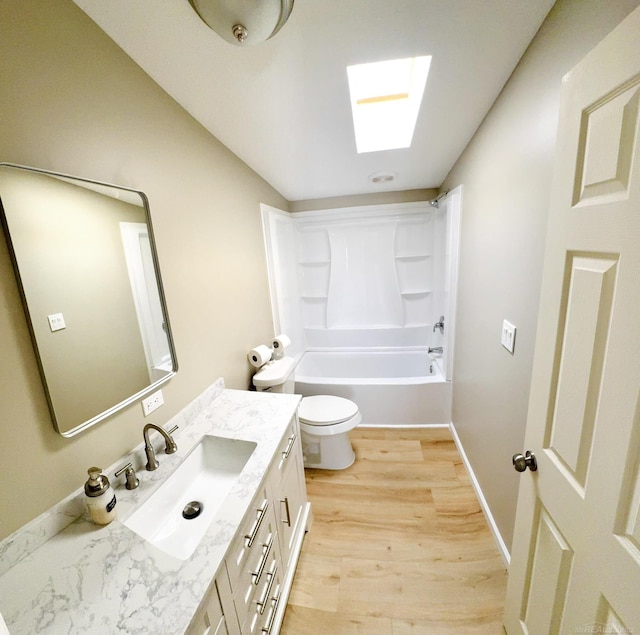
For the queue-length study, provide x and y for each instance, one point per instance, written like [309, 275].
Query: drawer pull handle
[287, 522]
[287, 452]
[262, 602]
[256, 575]
[251, 536]
[272, 612]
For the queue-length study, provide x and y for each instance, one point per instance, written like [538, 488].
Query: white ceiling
[283, 106]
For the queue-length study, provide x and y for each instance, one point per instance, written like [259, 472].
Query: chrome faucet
[170, 444]
[439, 325]
[436, 349]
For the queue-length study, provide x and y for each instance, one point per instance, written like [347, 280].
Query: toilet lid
[326, 410]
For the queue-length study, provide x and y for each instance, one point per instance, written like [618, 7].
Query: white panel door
[576, 555]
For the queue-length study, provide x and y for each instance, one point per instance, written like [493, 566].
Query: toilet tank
[276, 376]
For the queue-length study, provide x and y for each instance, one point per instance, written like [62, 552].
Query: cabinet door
[290, 492]
[209, 619]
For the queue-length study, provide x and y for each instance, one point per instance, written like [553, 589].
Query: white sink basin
[206, 475]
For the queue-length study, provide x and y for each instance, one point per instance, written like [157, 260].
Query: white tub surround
[391, 388]
[370, 276]
[90, 579]
[368, 269]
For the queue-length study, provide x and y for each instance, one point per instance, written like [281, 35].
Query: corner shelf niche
[313, 275]
[415, 271]
[410, 257]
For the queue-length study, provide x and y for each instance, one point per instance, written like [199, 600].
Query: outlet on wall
[508, 339]
[152, 402]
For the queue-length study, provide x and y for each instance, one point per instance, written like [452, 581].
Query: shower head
[434, 203]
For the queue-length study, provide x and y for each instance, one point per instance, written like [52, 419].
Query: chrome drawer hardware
[272, 612]
[262, 512]
[262, 602]
[287, 452]
[256, 575]
[287, 522]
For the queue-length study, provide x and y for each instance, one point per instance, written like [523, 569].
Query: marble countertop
[105, 580]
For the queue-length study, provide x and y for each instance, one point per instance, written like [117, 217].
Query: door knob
[521, 463]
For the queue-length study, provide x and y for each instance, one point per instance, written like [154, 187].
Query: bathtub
[391, 388]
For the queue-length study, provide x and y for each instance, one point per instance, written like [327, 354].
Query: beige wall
[506, 172]
[73, 102]
[375, 198]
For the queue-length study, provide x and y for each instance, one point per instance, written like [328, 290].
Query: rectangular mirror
[87, 269]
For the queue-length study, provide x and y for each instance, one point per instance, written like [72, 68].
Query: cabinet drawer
[261, 609]
[253, 576]
[253, 529]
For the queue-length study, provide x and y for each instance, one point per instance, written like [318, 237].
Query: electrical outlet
[508, 339]
[152, 402]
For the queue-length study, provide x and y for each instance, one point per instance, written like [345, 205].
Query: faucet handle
[439, 325]
[130, 475]
[171, 447]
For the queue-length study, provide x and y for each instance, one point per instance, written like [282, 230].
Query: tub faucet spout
[170, 444]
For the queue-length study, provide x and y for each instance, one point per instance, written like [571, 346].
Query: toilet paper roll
[259, 356]
[280, 342]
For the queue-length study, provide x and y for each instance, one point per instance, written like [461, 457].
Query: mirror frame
[137, 396]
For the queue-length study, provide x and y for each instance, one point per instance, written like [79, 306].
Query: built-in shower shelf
[314, 297]
[415, 292]
[410, 257]
[314, 263]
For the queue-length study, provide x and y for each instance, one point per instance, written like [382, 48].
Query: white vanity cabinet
[247, 596]
[236, 582]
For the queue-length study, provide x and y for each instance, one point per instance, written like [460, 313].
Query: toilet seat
[326, 415]
[326, 410]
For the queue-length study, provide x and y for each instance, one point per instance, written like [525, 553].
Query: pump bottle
[101, 499]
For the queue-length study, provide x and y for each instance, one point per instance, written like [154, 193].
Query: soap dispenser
[101, 499]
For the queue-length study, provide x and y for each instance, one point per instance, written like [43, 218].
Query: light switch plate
[56, 322]
[152, 402]
[508, 339]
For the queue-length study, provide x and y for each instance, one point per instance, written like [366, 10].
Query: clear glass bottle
[101, 499]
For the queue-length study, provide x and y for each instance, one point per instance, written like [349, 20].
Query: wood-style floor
[398, 545]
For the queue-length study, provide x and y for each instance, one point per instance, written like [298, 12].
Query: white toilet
[325, 420]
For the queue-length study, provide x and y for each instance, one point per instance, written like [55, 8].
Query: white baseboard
[406, 426]
[502, 547]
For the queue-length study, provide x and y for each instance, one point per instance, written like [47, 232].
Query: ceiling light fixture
[385, 100]
[244, 22]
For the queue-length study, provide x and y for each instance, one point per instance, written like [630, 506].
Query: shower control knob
[521, 463]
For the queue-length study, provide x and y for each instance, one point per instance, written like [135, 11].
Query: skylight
[385, 100]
